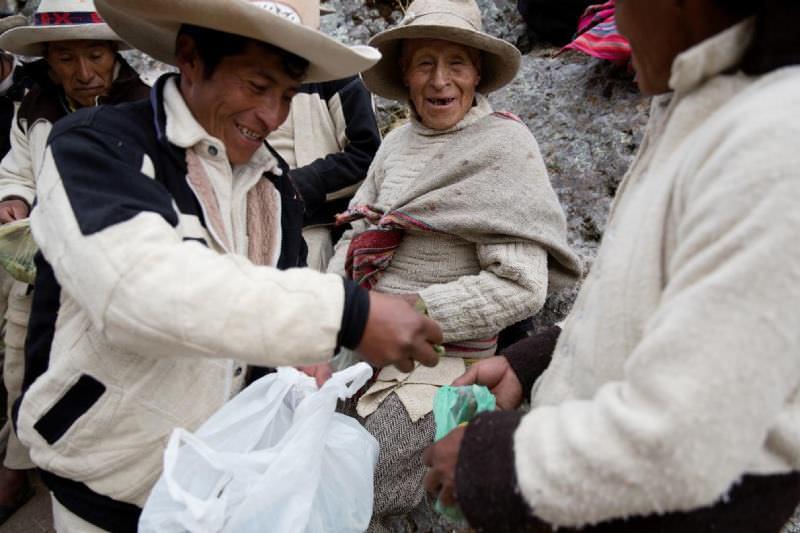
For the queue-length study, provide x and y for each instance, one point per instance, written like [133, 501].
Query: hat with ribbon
[58, 20]
[152, 26]
[458, 21]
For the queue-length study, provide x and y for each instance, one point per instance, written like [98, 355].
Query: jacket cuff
[354, 315]
[16, 194]
[530, 357]
[486, 478]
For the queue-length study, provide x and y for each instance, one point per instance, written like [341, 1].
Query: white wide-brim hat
[14, 21]
[152, 27]
[458, 21]
[58, 20]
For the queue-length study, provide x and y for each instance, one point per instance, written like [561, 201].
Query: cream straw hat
[458, 21]
[152, 26]
[58, 20]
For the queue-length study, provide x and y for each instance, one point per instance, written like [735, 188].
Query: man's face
[85, 69]
[247, 97]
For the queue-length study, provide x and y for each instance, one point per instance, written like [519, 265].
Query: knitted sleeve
[512, 285]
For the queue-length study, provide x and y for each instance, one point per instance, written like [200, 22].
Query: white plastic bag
[275, 458]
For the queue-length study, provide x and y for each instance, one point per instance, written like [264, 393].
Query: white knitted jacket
[678, 370]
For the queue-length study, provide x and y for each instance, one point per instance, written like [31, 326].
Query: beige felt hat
[152, 27]
[14, 21]
[458, 21]
[58, 20]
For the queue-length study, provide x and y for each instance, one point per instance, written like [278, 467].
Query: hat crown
[459, 10]
[305, 12]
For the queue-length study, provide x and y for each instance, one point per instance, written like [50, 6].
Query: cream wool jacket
[678, 370]
[167, 349]
[24, 160]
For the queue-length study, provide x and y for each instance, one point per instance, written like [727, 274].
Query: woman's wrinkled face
[441, 77]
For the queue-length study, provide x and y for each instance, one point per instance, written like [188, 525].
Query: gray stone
[794, 525]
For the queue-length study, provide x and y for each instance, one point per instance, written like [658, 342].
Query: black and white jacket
[329, 140]
[149, 300]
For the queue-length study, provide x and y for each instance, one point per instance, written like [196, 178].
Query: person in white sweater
[427, 222]
[672, 400]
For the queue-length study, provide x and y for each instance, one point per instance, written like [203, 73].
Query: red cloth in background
[597, 35]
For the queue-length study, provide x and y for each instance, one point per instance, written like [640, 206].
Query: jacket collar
[715, 55]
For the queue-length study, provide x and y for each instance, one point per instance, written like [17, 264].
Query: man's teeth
[440, 101]
[250, 133]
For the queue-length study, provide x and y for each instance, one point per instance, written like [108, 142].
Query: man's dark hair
[777, 40]
[213, 46]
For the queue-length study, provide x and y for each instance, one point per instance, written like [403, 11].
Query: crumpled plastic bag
[275, 458]
[452, 407]
[17, 249]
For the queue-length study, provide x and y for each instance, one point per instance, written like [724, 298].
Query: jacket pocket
[66, 411]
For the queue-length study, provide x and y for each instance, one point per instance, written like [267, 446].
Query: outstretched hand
[396, 334]
[496, 374]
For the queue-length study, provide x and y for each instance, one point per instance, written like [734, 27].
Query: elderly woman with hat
[79, 67]
[457, 214]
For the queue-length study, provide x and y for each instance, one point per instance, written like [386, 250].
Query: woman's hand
[441, 459]
[497, 374]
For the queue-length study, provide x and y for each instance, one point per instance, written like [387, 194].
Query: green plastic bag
[453, 406]
[17, 249]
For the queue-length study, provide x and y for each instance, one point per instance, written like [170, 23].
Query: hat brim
[30, 40]
[386, 77]
[152, 27]
[14, 21]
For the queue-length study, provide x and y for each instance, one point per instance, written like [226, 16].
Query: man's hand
[497, 374]
[442, 458]
[398, 335]
[14, 209]
[321, 372]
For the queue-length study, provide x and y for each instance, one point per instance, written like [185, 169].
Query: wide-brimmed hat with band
[152, 26]
[458, 21]
[58, 20]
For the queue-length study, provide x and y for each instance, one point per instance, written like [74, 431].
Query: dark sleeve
[486, 480]
[354, 316]
[6, 117]
[531, 356]
[348, 167]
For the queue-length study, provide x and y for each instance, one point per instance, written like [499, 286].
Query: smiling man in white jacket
[164, 226]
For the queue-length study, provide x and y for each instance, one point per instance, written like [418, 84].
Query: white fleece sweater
[678, 370]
